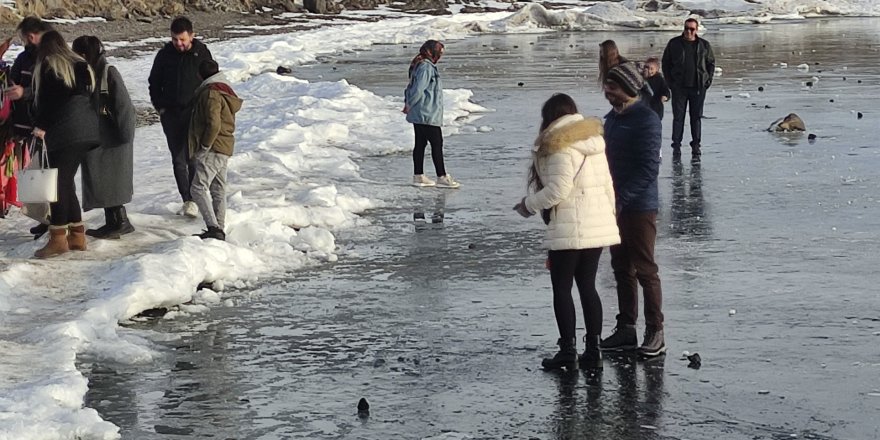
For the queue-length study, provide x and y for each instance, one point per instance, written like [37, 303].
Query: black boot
[39, 230]
[592, 357]
[110, 223]
[123, 225]
[567, 356]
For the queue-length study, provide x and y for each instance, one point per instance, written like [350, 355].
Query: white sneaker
[447, 182]
[190, 209]
[422, 180]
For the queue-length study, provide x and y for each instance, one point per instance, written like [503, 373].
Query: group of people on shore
[76, 104]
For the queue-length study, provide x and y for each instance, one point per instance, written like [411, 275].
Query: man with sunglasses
[688, 66]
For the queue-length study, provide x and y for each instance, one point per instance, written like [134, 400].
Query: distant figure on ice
[609, 56]
[20, 91]
[569, 180]
[688, 66]
[211, 143]
[67, 121]
[658, 85]
[633, 136]
[173, 82]
[107, 171]
[424, 109]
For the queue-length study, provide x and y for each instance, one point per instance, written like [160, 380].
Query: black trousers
[682, 98]
[425, 134]
[175, 124]
[66, 210]
[580, 266]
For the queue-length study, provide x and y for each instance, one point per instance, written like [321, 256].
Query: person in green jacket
[211, 142]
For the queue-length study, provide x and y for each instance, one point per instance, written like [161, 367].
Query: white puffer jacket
[569, 157]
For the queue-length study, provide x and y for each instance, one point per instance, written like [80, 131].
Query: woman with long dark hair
[569, 180]
[67, 121]
[107, 171]
[609, 56]
[424, 109]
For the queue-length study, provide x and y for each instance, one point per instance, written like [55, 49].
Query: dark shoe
[676, 152]
[653, 344]
[592, 357]
[105, 231]
[695, 150]
[123, 226]
[39, 230]
[213, 232]
[567, 356]
[623, 339]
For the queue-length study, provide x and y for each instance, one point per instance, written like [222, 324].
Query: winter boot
[111, 224]
[623, 339]
[567, 356]
[76, 239]
[592, 357]
[57, 244]
[653, 344]
[212, 232]
[123, 225]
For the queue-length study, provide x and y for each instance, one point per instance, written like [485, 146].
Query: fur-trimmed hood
[570, 131]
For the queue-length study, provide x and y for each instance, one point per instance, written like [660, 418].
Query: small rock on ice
[763, 391]
[731, 312]
[803, 67]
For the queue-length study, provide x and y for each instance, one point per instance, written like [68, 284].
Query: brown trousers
[633, 263]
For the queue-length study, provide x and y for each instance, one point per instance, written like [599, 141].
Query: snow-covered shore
[293, 181]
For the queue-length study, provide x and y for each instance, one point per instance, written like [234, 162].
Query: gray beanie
[628, 77]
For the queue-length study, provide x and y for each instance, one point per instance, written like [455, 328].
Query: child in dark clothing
[655, 79]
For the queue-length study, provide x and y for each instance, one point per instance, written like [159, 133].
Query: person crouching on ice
[211, 142]
[571, 186]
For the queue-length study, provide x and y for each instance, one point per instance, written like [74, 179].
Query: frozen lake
[441, 323]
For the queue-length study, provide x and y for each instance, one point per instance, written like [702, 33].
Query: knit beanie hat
[628, 77]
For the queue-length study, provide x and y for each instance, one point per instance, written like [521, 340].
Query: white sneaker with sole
[447, 182]
[422, 180]
[190, 209]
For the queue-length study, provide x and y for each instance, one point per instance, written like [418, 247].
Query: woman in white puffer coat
[570, 182]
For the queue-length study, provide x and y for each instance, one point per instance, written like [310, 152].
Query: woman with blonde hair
[570, 184]
[66, 119]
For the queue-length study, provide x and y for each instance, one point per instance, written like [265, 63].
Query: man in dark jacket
[173, 82]
[632, 137]
[688, 66]
[21, 92]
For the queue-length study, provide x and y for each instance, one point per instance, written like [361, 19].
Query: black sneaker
[653, 344]
[676, 152]
[696, 151]
[39, 230]
[213, 232]
[622, 339]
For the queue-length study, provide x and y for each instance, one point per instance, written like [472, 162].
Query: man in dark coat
[632, 144]
[173, 80]
[21, 92]
[688, 66]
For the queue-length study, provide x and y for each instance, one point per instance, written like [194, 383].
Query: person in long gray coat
[107, 171]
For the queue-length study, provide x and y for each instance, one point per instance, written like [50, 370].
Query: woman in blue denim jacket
[424, 109]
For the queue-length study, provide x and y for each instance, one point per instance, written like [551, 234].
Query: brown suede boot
[76, 239]
[57, 244]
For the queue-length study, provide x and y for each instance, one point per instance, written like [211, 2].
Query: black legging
[425, 134]
[66, 209]
[579, 265]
